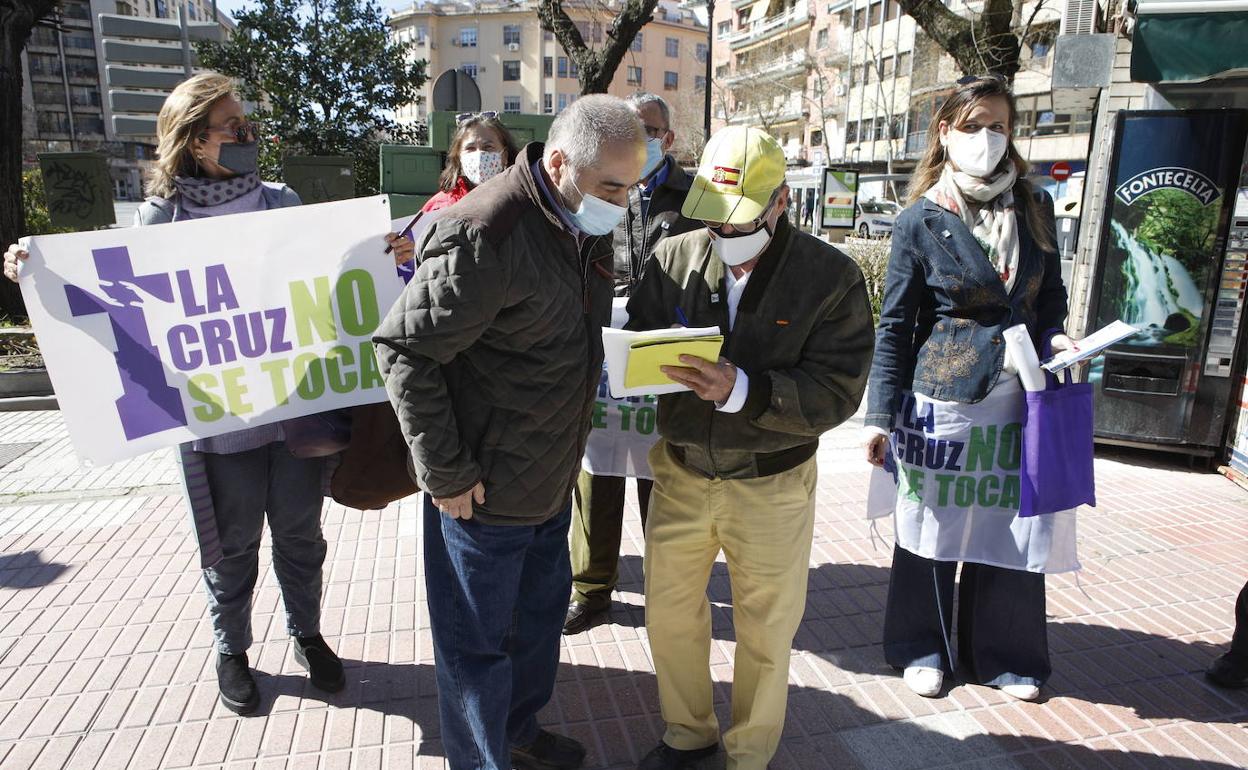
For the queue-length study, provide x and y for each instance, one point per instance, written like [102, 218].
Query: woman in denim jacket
[973, 255]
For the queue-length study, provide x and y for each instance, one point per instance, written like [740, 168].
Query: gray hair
[589, 124]
[642, 98]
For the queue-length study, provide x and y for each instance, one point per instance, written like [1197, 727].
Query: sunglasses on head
[465, 117]
[968, 79]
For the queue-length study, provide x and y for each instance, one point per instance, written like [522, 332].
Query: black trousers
[1001, 634]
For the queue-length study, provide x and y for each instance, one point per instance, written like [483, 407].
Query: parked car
[875, 218]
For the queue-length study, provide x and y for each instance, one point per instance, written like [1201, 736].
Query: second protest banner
[158, 335]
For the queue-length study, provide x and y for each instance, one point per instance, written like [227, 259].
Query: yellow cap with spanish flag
[741, 167]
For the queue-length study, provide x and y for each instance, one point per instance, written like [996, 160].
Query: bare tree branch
[597, 65]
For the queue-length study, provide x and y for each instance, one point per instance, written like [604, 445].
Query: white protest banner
[158, 335]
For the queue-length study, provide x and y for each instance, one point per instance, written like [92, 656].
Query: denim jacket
[945, 307]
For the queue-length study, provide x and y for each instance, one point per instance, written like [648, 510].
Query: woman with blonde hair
[972, 255]
[207, 153]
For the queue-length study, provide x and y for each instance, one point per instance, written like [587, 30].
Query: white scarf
[990, 217]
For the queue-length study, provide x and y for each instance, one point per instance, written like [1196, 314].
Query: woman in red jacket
[481, 148]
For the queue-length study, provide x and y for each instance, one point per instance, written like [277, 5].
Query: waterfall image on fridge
[1161, 249]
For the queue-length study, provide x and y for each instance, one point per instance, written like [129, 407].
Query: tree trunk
[17, 17]
[986, 44]
[596, 66]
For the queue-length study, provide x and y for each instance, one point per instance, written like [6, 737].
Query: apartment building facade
[857, 82]
[520, 68]
[65, 93]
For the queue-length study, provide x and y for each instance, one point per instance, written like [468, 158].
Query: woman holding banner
[973, 255]
[206, 166]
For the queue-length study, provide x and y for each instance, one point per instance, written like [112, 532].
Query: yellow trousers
[764, 527]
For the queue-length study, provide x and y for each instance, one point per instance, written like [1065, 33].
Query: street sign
[1060, 171]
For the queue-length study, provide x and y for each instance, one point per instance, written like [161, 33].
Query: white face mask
[595, 216]
[479, 165]
[736, 249]
[978, 153]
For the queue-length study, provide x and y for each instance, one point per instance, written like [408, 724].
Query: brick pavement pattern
[106, 661]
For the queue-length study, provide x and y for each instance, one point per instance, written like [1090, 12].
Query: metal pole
[186, 40]
[69, 107]
[710, 42]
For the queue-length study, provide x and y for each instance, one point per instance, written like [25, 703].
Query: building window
[125, 9]
[636, 46]
[903, 64]
[723, 29]
[860, 19]
[469, 69]
[876, 14]
[851, 132]
[721, 71]
[511, 70]
[511, 34]
[868, 72]
[816, 138]
[574, 69]
[700, 53]
[547, 35]
[563, 101]
[670, 81]
[634, 76]
[548, 67]
[596, 32]
[468, 37]
[673, 47]
[886, 68]
[162, 10]
[548, 103]
[893, 10]
[563, 66]
[511, 105]
[699, 83]
[743, 18]
[821, 39]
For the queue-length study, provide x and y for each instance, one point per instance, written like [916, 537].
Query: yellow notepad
[646, 356]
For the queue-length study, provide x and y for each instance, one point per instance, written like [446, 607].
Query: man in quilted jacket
[492, 358]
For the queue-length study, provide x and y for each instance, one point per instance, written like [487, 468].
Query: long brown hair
[954, 111]
[182, 118]
[451, 174]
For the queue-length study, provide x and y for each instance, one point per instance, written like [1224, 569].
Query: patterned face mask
[479, 166]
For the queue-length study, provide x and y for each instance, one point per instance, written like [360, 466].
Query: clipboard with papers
[634, 358]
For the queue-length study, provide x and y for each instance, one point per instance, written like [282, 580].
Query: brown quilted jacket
[493, 352]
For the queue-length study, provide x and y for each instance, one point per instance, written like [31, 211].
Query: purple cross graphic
[148, 403]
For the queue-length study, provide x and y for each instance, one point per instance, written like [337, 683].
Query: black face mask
[242, 159]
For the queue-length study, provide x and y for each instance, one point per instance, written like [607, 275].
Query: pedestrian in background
[1231, 668]
[207, 166]
[735, 470]
[481, 149]
[653, 213]
[973, 255]
[492, 358]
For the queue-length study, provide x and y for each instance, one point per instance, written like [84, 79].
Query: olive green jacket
[803, 334]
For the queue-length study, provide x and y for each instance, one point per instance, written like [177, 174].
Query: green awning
[1186, 46]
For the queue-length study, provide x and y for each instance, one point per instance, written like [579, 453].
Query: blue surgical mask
[654, 157]
[595, 216]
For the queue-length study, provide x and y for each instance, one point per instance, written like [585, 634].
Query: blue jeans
[497, 600]
[1002, 633]
[246, 488]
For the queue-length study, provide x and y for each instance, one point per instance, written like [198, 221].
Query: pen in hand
[680, 316]
[406, 231]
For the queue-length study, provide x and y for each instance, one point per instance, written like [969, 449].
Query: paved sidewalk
[105, 658]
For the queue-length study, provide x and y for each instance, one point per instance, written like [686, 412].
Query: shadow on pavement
[28, 570]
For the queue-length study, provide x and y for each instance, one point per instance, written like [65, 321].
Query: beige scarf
[990, 215]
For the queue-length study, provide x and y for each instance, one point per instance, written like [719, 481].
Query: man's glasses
[742, 229]
[242, 133]
[654, 132]
[466, 117]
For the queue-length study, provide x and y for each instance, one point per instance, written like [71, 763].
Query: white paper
[154, 336]
[615, 344]
[1023, 354]
[1091, 345]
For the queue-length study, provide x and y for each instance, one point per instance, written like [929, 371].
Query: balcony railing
[789, 64]
[796, 16]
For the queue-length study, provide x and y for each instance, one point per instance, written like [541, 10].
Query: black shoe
[324, 667]
[664, 757]
[1229, 670]
[238, 688]
[582, 617]
[548, 752]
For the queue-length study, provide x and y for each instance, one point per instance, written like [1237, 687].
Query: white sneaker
[924, 681]
[1021, 691]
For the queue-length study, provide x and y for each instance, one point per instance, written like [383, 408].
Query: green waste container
[319, 179]
[79, 189]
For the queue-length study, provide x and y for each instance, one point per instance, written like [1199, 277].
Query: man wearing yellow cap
[735, 468]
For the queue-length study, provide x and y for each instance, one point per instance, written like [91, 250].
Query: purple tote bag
[1057, 448]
